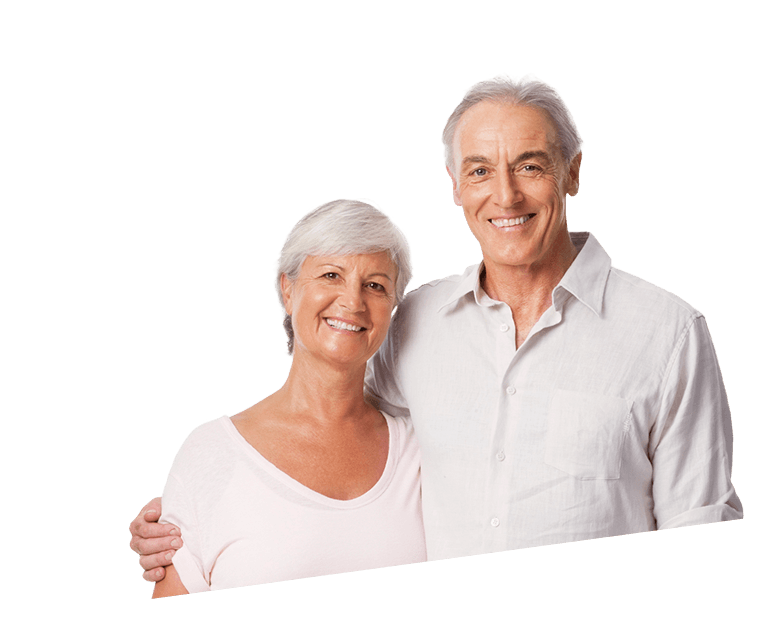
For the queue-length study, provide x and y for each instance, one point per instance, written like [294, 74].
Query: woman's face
[341, 306]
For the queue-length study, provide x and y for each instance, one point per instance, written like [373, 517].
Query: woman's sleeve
[178, 508]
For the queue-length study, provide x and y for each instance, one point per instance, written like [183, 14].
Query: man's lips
[511, 221]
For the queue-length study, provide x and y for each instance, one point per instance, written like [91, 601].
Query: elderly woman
[312, 480]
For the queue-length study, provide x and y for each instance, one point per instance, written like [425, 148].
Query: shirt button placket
[505, 351]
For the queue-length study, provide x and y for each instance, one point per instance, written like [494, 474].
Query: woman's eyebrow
[341, 268]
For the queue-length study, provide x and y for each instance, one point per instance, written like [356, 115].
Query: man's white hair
[528, 93]
[343, 227]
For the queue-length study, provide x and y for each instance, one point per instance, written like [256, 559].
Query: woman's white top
[245, 522]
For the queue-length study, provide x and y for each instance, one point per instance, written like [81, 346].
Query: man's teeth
[501, 223]
[341, 325]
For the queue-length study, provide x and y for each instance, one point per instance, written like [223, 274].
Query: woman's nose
[352, 298]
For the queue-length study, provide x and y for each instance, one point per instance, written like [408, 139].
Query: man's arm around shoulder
[154, 542]
[170, 585]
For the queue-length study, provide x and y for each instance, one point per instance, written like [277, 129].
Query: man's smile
[513, 221]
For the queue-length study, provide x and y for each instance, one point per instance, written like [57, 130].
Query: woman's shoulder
[203, 447]
[404, 457]
[208, 432]
[404, 421]
[402, 426]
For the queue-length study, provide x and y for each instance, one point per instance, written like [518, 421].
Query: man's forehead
[491, 120]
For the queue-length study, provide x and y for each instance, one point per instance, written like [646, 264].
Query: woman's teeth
[514, 221]
[340, 325]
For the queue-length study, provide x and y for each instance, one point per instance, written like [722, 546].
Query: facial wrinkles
[501, 154]
[502, 141]
[334, 293]
[511, 186]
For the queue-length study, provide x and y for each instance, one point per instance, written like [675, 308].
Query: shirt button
[495, 522]
[510, 390]
[504, 328]
[501, 456]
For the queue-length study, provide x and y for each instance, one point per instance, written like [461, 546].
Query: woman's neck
[324, 391]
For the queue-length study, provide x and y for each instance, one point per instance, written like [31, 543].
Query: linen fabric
[610, 418]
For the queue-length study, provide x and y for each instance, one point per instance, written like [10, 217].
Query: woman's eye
[331, 276]
[376, 286]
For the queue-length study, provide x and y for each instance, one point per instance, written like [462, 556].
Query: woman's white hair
[343, 227]
[528, 93]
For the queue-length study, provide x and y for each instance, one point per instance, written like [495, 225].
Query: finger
[154, 575]
[152, 506]
[150, 511]
[156, 560]
[149, 546]
[142, 529]
[149, 514]
[145, 534]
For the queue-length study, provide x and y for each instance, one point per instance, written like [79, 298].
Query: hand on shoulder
[155, 543]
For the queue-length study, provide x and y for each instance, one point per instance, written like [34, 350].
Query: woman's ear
[286, 291]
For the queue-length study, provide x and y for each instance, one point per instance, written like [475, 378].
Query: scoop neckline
[251, 453]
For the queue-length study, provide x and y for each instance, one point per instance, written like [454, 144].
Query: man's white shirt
[611, 418]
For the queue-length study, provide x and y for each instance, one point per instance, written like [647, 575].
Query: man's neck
[527, 290]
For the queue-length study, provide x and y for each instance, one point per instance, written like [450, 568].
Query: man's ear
[574, 174]
[286, 291]
[455, 193]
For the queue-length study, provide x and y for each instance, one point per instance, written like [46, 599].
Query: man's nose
[507, 191]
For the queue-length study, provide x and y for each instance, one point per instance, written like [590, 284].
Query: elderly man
[555, 398]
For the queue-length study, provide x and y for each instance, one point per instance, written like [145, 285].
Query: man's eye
[531, 168]
[479, 172]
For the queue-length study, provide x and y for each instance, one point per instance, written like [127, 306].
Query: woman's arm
[170, 585]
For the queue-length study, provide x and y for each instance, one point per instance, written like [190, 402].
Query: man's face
[511, 181]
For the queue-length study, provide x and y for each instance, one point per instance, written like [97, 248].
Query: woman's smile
[342, 325]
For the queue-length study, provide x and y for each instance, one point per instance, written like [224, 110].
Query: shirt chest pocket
[586, 433]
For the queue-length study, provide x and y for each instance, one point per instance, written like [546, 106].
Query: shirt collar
[585, 279]
[470, 282]
[587, 276]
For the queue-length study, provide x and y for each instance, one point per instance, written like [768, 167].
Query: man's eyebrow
[476, 159]
[533, 155]
[536, 154]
